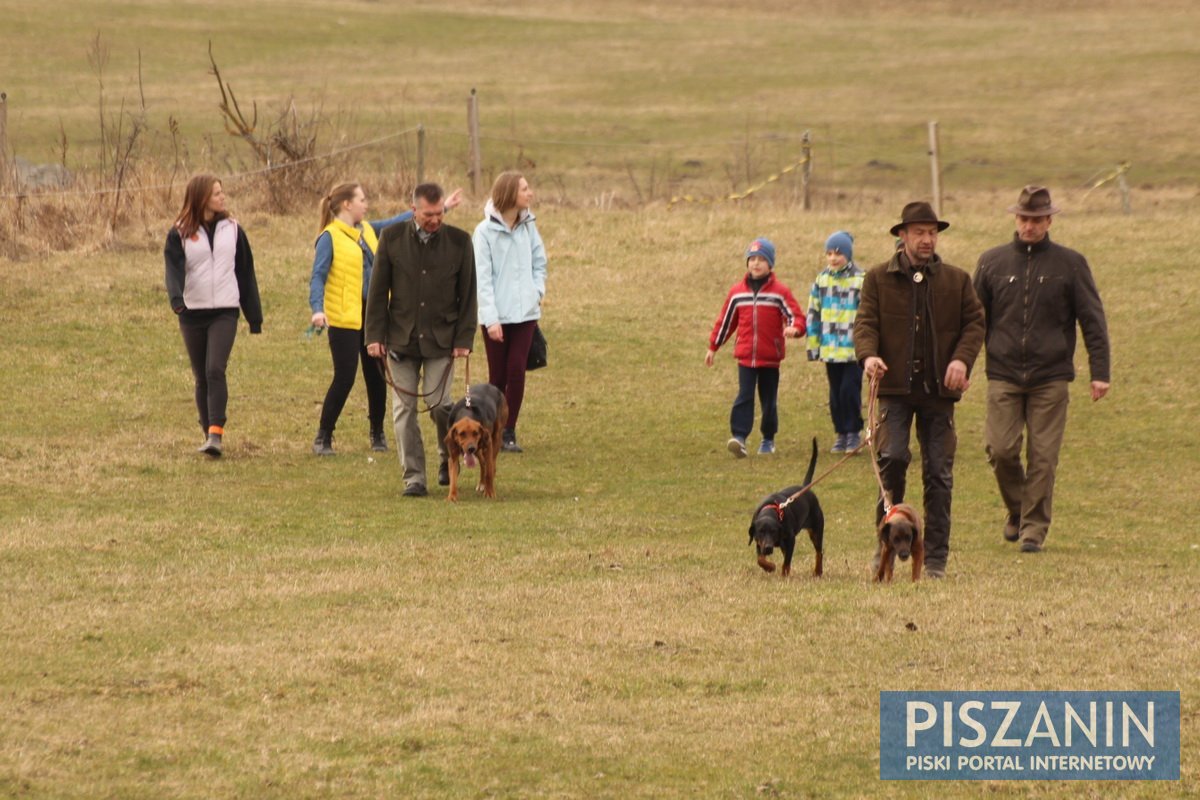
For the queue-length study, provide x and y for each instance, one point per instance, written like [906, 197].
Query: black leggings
[348, 350]
[208, 337]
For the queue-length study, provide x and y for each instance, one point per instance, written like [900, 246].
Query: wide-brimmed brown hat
[918, 212]
[1034, 202]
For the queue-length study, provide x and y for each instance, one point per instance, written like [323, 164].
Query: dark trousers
[845, 396]
[208, 337]
[349, 351]
[938, 439]
[741, 418]
[506, 364]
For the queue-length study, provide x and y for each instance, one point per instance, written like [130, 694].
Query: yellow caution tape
[687, 198]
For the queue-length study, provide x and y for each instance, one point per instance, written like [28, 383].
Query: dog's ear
[485, 437]
[451, 443]
[751, 533]
[885, 531]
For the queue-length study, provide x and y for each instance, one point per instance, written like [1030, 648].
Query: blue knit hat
[843, 243]
[762, 247]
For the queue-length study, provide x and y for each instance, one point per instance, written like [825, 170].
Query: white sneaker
[737, 447]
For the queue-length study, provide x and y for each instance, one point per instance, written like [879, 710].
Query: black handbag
[537, 350]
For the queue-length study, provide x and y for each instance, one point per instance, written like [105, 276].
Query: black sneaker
[444, 474]
[510, 442]
[1030, 546]
[323, 443]
[378, 440]
[415, 490]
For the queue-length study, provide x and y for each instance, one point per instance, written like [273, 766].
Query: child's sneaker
[737, 447]
[766, 448]
[839, 445]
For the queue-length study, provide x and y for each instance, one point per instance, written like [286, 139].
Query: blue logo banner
[1029, 736]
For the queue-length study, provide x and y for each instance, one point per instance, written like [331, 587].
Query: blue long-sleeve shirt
[323, 260]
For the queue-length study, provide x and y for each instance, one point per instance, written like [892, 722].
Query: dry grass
[275, 626]
[619, 103]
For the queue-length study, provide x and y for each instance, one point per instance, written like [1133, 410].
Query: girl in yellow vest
[344, 255]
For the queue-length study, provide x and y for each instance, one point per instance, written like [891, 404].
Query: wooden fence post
[3, 140]
[934, 168]
[421, 153]
[473, 133]
[806, 170]
[1123, 185]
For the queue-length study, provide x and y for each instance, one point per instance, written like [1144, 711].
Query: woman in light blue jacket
[510, 268]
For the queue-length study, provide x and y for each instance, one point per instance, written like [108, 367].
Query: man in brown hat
[1034, 292]
[918, 331]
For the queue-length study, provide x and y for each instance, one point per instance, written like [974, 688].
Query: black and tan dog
[474, 436]
[777, 525]
[899, 536]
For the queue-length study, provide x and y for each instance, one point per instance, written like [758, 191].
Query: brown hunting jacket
[885, 323]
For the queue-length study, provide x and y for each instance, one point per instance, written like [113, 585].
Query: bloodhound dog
[474, 437]
[899, 535]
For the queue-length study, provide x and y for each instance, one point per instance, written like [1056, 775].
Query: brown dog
[899, 535]
[474, 436]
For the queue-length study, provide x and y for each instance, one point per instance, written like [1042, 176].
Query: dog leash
[872, 419]
[868, 440]
[381, 363]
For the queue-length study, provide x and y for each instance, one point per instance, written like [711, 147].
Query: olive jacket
[421, 300]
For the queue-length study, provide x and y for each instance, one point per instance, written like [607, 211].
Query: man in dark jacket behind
[421, 309]
[918, 330]
[1033, 293]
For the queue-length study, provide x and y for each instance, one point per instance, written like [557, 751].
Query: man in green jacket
[918, 331]
[421, 309]
[1034, 292]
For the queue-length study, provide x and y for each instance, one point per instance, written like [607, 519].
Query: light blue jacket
[510, 269]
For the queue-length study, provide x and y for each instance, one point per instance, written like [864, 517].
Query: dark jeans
[208, 337]
[845, 396]
[349, 351]
[938, 439]
[506, 364]
[741, 418]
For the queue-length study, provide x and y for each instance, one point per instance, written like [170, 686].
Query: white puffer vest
[209, 281]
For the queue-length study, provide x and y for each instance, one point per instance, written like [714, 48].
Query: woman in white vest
[510, 270]
[209, 275]
[343, 258]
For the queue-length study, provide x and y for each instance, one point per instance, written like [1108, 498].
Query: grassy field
[676, 95]
[271, 625]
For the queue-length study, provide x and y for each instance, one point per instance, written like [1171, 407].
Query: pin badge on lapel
[918, 277]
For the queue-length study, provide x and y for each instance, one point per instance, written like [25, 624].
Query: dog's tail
[812, 464]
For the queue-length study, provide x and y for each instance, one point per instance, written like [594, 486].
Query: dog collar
[894, 511]
[777, 507]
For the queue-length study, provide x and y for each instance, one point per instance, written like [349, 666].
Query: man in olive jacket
[918, 331]
[1034, 291]
[421, 310]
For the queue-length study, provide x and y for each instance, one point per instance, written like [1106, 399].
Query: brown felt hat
[918, 212]
[1034, 202]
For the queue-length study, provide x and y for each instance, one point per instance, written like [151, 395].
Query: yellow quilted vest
[344, 286]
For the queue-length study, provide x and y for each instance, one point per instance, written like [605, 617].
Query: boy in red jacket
[763, 312]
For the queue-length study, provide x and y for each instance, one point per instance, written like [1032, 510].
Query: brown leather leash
[381, 363]
[868, 441]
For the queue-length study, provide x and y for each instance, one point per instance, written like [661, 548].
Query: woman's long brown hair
[195, 198]
[331, 203]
